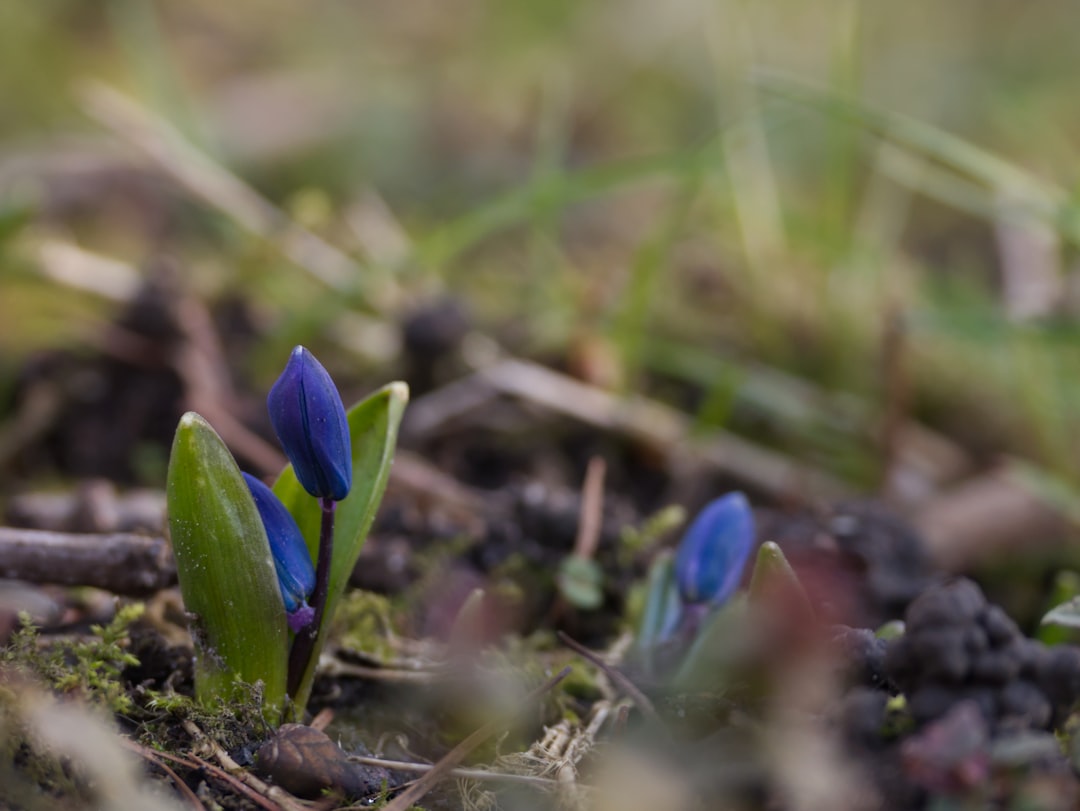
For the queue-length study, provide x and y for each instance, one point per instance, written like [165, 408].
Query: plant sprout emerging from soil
[259, 607]
[688, 589]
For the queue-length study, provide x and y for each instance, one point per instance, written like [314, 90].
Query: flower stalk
[304, 647]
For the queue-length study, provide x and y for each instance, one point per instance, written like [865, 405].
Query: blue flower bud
[714, 550]
[309, 420]
[292, 561]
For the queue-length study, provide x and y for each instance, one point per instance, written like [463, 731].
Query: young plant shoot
[685, 593]
[244, 552]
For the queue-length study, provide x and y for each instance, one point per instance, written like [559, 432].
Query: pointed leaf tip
[774, 579]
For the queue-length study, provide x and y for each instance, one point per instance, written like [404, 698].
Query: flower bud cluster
[309, 420]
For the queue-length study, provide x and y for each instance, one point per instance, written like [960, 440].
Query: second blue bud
[292, 561]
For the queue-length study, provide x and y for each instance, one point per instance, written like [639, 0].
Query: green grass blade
[226, 571]
[918, 136]
[373, 425]
[1036, 197]
[556, 191]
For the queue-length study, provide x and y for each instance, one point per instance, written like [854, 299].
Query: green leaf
[720, 644]
[662, 603]
[1067, 614]
[773, 579]
[373, 425]
[226, 571]
[581, 582]
[893, 629]
[1066, 587]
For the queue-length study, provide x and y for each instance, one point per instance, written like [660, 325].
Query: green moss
[635, 540]
[90, 668]
[363, 624]
[232, 726]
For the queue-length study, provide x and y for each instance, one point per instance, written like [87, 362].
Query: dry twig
[158, 759]
[650, 422]
[118, 562]
[592, 510]
[639, 698]
[335, 667]
[467, 774]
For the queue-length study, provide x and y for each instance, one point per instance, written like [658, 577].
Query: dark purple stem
[304, 645]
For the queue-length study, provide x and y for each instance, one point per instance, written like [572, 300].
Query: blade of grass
[556, 191]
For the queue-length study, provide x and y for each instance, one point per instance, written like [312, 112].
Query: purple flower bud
[292, 561]
[714, 550]
[309, 420]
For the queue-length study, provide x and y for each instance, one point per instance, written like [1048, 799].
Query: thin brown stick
[657, 425]
[453, 758]
[623, 683]
[118, 562]
[336, 667]
[153, 757]
[238, 784]
[468, 774]
[196, 762]
[322, 719]
[592, 509]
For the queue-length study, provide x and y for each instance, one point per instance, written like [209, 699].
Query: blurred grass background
[792, 219]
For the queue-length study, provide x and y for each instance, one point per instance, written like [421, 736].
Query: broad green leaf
[373, 425]
[721, 643]
[226, 571]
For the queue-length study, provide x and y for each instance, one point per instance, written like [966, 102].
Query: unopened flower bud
[714, 550]
[292, 561]
[309, 420]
